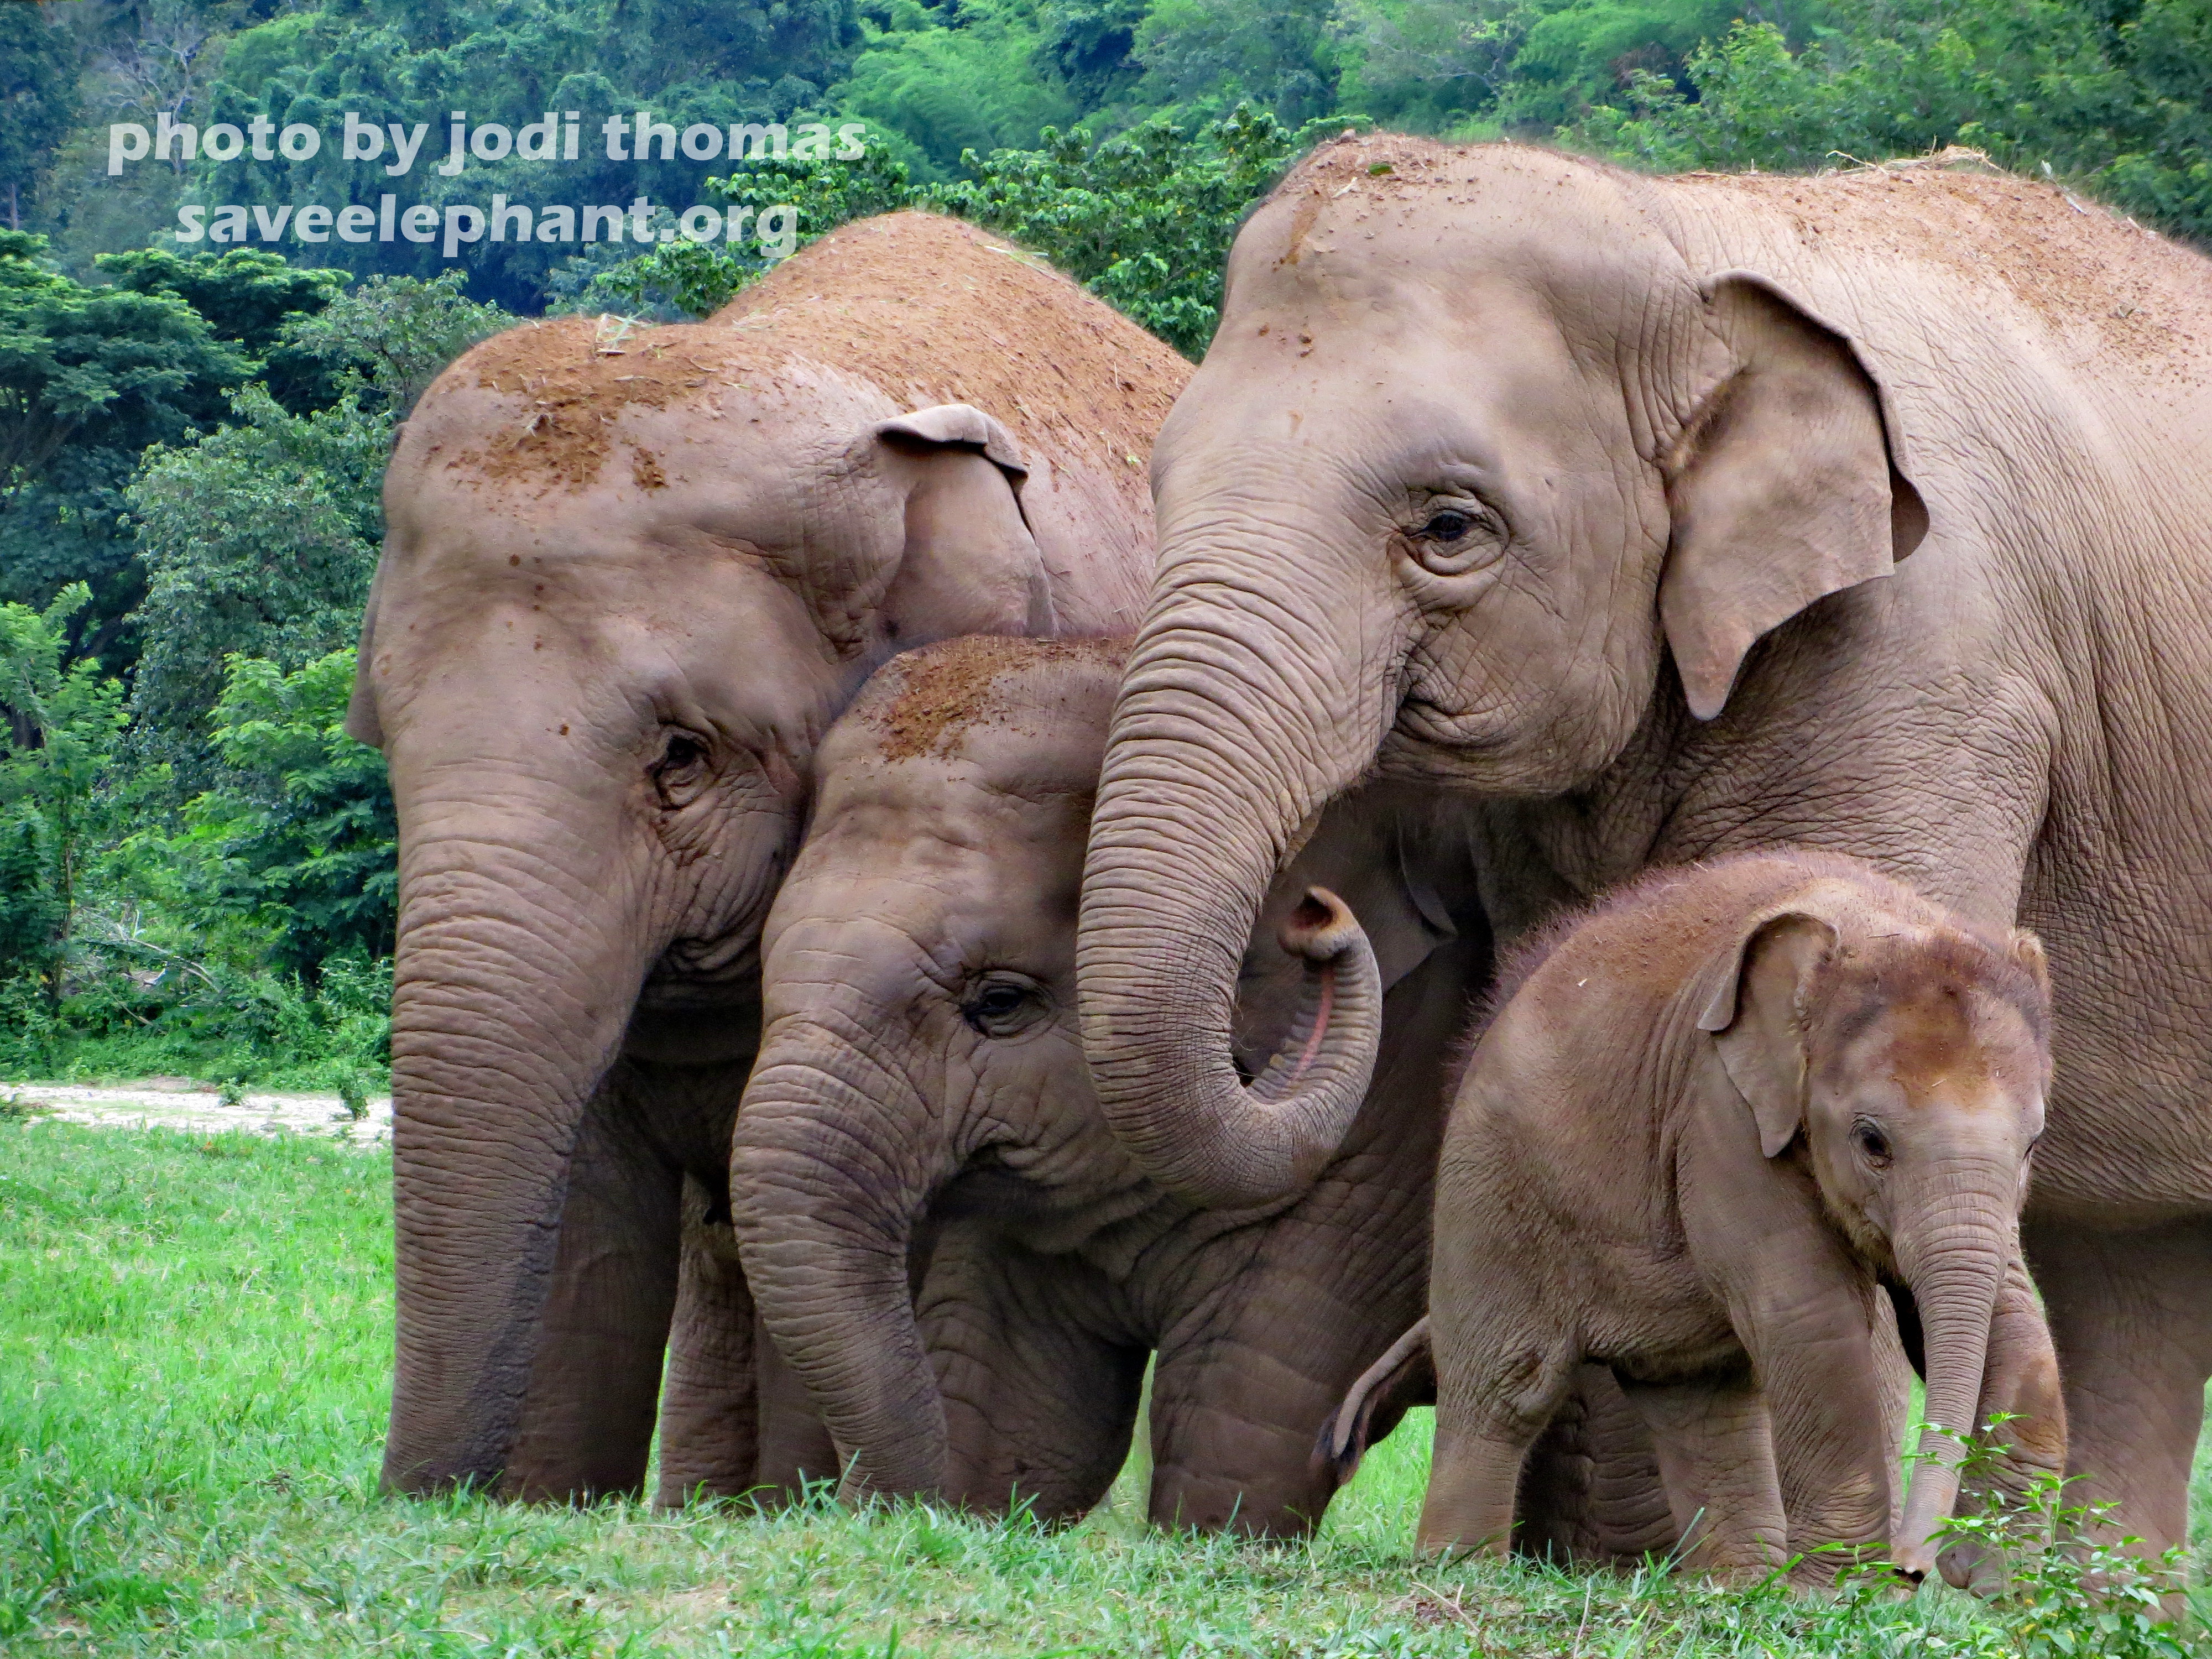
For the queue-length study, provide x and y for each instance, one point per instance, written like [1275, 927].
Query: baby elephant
[945, 1240]
[1709, 1120]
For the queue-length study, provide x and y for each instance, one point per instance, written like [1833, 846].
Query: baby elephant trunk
[826, 1181]
[1955, 1262]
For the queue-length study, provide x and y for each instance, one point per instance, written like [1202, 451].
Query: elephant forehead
[1941, 1041]
[1368, 220]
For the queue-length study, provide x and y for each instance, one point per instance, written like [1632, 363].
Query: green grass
[194, 1351]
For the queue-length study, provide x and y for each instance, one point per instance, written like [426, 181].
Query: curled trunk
[1210, 779]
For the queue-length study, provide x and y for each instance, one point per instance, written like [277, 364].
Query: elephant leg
[795, 1447]
[587, 1415]
[2020, 1380]
[2130, 1318]
[1715, 1451]
[1039, 1376]
[709, 1404]
[1590, 1492]
[1278, 1323]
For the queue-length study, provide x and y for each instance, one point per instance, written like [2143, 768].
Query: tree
[1145, 220]
[2119, 102]
[259, 539]
[306, 814]
[60, 724]
[248, 296]
[38, 102]
[394, 334]
[89, 377]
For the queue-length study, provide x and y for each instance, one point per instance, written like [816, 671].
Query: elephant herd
[1623, 841]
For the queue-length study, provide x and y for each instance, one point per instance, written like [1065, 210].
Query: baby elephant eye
[1446, 527]
[1002, 1006]
[1872, 1142]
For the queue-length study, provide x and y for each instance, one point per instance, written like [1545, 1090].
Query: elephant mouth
[701, 973]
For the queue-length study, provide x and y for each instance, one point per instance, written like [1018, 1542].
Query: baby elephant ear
[1783, 489]
[963, 424]
[1754, 1018]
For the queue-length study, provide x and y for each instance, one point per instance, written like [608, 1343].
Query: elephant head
[1913, 1060]
[919, 999]
[630, 578]
[1474, 452]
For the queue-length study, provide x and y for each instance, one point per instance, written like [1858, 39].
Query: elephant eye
[682, 770]
[1872, 1142]
[1453, 540]
[1002, 1006]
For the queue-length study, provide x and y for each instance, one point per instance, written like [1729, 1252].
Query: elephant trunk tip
[1230, 1145]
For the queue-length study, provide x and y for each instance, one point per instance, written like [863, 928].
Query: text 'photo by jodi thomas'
[394, 147]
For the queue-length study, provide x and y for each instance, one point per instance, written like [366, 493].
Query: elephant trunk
[826, 1184]
[1955, 1263]
[512, 982]
[1211, 775]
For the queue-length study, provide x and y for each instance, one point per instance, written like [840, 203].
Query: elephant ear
[969, 563]
[1783, 489]
[1756, 1017]
[362, 723]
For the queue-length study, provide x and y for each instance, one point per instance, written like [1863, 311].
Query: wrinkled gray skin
[630, 578]
[921, 1092]
[1579, 496]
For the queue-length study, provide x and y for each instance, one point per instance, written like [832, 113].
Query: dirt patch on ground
[925, 701]
[180, 1103]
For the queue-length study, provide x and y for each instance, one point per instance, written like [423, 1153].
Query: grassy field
[194, 1343]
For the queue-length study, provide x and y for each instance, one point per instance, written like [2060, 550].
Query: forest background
[196, 865]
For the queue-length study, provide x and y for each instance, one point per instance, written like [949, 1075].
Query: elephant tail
[1405, 1376]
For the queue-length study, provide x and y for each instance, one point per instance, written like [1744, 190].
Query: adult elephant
[631, 577]
[1590, 497]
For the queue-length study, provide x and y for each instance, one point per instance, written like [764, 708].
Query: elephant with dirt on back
[1651, 520]
[631, 577]
[920, 1096]
[1707, 1118]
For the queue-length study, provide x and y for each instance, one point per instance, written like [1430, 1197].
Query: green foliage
[307, 821]
[37, 101]
[2074, 1586]
[248, 296]
[57, 748]
[88, 378]
[1144, 219]
[947, 90]
[261, 539]
[721, 62]
[2121, 103]
[390, 337]
[683, 279]
[1201, 56]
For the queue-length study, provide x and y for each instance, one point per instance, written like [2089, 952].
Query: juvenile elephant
[920, 1095]
[630, 575]
[1653, 519]
[1707, 1120]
